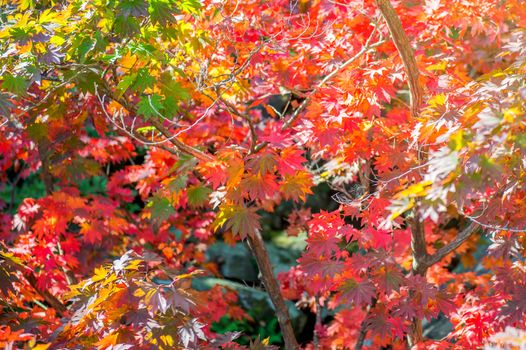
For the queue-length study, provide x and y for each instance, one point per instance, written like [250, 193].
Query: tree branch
[406, 53]
[367, 47]
[418, 242]
[257, 246]
[232, 109]
[183, 147]
[363, 327]
[451, 246]
[418, 246]
[158, 125]
[56, 304]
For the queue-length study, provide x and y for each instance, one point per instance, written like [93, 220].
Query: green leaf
[198, 195]
[15, 84]
[100, 42]
[160, 208]
[127, 26]
[178, 183]
[86, 80]
[4, 104]
[141, 49]
[171, 107]
[190, 6]
[146, 129]
[85, 46]
[133, 8]
[21, 35]
[143, 81]
[242, 221]
[171, 87]
[38, 131]
[162, 12]
[125, 84]
[150, 106]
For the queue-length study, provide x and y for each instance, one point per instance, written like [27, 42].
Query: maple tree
[137, 134]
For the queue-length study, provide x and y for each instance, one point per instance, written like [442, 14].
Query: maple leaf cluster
[136, 134]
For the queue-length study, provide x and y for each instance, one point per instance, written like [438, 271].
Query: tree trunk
[271, 284]
[418, 243]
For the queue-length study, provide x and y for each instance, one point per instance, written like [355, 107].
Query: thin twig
[159, 126]
[232, 109]
[366, 48]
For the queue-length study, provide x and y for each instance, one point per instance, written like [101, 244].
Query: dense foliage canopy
[371, 154]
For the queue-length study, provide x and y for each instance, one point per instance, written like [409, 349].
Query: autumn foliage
[387, 137]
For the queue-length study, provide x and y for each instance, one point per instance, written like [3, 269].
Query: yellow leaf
[100, 274]
[133, 265]
[222, 216]
[504, 53]
[139, 293]
[511, 114]
[415, 190]
[167, 339]
[10, 256]
[402, 209]
[297, 186]
[4, 33]
[48, 16]
[25, 4]
[56, 40]
[189, 275]
[108, 340]
[437, 66]
[128, 60]
[437, 100]
[235, 170]
[456, 141]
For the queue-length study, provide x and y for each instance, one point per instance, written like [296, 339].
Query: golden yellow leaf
[437, 66]
[415, 190]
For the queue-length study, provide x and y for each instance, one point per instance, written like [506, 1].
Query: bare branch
[363, 327]
[451, 246]
[406, 53]
[180, 145]
[159, 126]
[418, 242]
[232, 109]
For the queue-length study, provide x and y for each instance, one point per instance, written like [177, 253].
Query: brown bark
[48, 297]
[180, 145]
[451, 246]
[419, 252]
[418, 243]
[271, 285]
[406, 53]
[418, 246]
